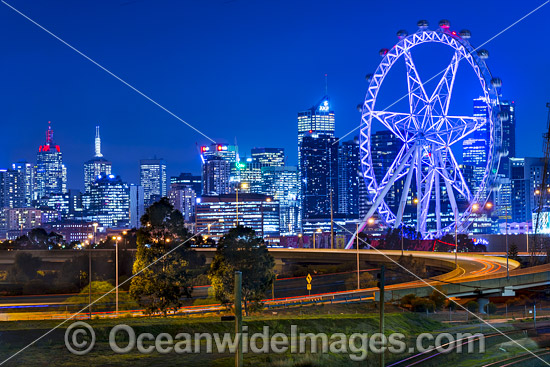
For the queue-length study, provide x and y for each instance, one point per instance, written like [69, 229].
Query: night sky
[235, 69]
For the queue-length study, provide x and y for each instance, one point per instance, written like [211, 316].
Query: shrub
[423, 305]
[472, 306]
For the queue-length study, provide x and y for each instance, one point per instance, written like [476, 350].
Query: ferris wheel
[425, 169]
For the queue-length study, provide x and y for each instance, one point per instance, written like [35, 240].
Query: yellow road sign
[308, 287]
[308, 278]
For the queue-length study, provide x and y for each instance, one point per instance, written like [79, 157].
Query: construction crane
[538, 248]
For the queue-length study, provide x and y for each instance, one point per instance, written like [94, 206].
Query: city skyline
[76, 96]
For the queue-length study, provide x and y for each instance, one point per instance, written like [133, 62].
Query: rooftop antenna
[326, 84]
[97, 143]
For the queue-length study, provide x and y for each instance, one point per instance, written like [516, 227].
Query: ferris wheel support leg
[404, 195]
[418, 187]
[382, 195]
[451, 198]
[437, 204]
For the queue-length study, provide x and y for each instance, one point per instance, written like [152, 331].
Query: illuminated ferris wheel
[425, 170]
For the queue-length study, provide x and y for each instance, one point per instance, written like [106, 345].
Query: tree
[241, 250]
[366, 280]
[162, 260]
[24, 267]
[438, 297]
[513, 252]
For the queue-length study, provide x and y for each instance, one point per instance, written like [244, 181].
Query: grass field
[51, 349]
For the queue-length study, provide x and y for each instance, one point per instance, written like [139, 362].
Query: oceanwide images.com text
[80, 339]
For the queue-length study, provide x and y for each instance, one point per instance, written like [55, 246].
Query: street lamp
[90, 236]
[242, 186]
[319, 230]
[116, 239]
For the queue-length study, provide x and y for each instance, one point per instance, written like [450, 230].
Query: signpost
[308, 278]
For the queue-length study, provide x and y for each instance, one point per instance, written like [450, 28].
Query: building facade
[153, 180]
[216, 215]
[110, 202]
[51, 174]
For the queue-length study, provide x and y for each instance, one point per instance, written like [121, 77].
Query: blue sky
[236, 69]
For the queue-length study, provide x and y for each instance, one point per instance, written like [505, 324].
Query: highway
[291, 291]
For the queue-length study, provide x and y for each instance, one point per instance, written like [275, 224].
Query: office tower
[223, 151]
[216, 215]
[319, 175]
[60, 203]
[249, 171]
[508, 135]
[316, 121]
[109, 201]
[97, 165]
[12, 189]
[183, 198]
[215, 176]
[349, 178]
[137, 205]
[282, 184]
[188, 179]
[519, 182]
[475, 148]
[51, 174]
[268, 157]
[153, 179]
[28, 171]
[384, 149]
[219, 168]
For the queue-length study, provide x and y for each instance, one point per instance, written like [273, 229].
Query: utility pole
[238, 319]
[381, 285]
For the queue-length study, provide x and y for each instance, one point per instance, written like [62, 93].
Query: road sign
[309, 287]
[308, 278]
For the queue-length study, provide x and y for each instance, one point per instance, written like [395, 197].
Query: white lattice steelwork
[428, 132]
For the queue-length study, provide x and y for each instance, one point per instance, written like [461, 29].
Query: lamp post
[116, 239]
[242, 186]
[318, 230]
[90, 236]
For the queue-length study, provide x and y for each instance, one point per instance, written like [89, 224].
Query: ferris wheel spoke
[424, 200]
[401, 159]
[398, 123]
[418, 99]
[441, 96]
[455, 177]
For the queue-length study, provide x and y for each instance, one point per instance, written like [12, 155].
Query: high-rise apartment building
[385, 146]
[153, 179]
[51, 174]
[475, 148]
[97, 165]
[183, 198]
[137, 205]
[268, 157]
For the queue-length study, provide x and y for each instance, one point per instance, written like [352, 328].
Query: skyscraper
[316, 121]
[137, 205]
[282, 184]
[12, 189]
[183, 198]
[110, 201]
[219, 168]
[319, 175]
[28, 171]
[268, 157]
[97, 165]
[349, 179]
[188, 179]
[508, 135]
[475, 148]
[384, 149]
[51, 174]
[153, 179]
